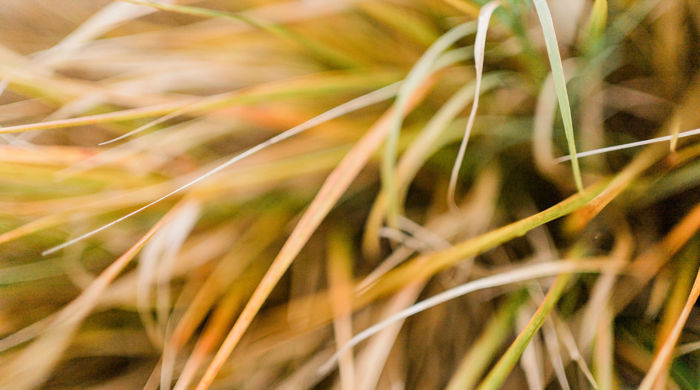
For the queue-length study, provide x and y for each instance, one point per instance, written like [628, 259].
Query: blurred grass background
[252, 274]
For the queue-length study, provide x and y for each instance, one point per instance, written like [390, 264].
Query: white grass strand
[524, 273]
[569, 342]
[352, 105]
[479, 49]
[150, 124]
[629, 145]
[551, 343]
[687, 348]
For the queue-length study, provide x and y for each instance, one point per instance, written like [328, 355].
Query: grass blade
[629, 145]
[63, 325]
[479, 49]
[323, 52]
[530, 272]
[363, 101]
[550, 39]
[505, 365]
[484, 349]
[334, 186]
[662, 358]
[415, 77]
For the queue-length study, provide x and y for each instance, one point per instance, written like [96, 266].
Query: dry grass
[263, 194]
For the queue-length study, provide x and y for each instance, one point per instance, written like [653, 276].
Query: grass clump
[279, 194]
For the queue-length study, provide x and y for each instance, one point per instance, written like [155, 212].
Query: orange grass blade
[340, 288]
[647, 264]
[334, 186]
[662, 359]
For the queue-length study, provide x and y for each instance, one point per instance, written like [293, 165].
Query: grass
[279, 194]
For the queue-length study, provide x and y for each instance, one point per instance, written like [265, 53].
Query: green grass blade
[495, 379]
[494, 335]
[550, 39]
[427, 265]
[596, 23]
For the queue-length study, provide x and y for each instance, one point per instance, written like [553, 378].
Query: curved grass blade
[415, 77]
[479, 49]
[425, 145]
